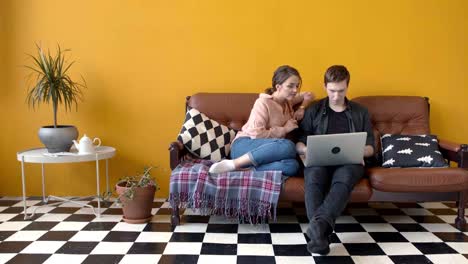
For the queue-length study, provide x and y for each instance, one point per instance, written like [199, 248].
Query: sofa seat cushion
[418, 179]
[293, 190]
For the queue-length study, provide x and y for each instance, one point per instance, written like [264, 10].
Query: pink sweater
[267, 119]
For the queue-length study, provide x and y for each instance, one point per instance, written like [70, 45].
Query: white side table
[40, 155]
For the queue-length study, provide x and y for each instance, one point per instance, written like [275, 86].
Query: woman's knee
[239, 147]
[290, 167]
[236, 153]
[288, 147]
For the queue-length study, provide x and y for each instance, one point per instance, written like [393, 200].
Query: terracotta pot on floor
[138, 210]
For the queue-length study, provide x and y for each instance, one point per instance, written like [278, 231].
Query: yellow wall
[141, 58]
[3, 53]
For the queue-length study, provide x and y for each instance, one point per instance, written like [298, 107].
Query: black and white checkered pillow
[205, 137]
[411, 151]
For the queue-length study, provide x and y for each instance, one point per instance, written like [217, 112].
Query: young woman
[261, 142]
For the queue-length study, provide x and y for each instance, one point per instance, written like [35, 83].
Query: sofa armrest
[454, 152]
[176, 153]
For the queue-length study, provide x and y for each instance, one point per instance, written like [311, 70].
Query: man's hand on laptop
[368, 151]
[301, 148]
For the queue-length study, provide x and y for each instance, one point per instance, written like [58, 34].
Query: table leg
[43, 184]
[23, 181]
[107, 176]
[97, 183]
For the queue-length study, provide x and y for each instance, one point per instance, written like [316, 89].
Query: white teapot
[86, 146]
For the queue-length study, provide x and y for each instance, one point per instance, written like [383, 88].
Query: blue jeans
[268, 153]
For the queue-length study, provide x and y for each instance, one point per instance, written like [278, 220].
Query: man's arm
[305, 126]
[369, 148]
[305, 129]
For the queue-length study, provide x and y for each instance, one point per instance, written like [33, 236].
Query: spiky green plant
[132, 182]
[53, 83]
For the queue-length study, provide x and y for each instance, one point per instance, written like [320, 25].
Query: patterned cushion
[204, 137]
[411, 151]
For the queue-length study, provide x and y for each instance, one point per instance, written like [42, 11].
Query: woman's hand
[290, 125]
[308, 97]
[299, 114]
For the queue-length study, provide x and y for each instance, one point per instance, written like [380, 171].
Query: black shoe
[322, 250]
[319, 243]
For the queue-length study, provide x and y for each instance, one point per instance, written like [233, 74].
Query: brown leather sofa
[389, 114]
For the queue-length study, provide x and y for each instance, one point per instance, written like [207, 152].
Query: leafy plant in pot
[53, 84]
[136, 195]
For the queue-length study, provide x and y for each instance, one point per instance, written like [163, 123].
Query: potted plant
[136, 195]
[53, 84]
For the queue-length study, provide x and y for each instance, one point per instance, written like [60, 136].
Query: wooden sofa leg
[175, 217]
[460, 221]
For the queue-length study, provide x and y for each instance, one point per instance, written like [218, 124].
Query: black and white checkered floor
[366, 233]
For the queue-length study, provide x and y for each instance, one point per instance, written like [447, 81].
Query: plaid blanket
[249, 195]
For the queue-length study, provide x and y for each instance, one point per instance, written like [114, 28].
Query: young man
[328, 188]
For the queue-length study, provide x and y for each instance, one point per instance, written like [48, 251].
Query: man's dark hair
[336, 73]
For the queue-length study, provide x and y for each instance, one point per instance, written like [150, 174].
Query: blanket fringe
[246, 211]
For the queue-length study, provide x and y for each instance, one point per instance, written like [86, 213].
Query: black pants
[327, 190]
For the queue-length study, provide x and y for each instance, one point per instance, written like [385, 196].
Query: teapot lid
[85, 138]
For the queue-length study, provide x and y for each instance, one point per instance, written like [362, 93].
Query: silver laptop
[335, 149]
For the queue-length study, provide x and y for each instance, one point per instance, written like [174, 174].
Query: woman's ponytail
[270, 90]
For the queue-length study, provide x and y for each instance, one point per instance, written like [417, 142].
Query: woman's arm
[304, 98]
[307, 98]
[258, 123]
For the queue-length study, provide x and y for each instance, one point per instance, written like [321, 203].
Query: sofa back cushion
[229, 109]
[407, 115]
